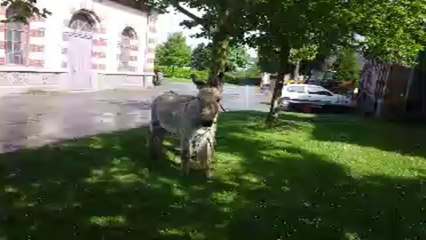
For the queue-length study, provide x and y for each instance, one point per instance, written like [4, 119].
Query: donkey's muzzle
[206, 123]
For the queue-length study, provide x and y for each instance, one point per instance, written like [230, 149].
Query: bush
[230, 77]
[181, 72]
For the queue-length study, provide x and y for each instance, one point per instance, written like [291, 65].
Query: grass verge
[307, 177]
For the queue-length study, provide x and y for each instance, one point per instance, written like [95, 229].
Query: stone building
[84, 45]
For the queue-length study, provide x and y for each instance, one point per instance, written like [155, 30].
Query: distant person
[265, 80]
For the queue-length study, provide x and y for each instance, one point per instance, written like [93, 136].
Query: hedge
[181, 72]
[232, 78]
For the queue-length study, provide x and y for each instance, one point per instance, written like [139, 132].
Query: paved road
[32, 120]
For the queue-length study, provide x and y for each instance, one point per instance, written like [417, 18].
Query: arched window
[127, 35]
[15, 39]
[83, 21]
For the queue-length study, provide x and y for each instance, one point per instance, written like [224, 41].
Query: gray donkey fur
[193, 119]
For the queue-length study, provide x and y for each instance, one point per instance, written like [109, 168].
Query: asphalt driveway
[36, 119]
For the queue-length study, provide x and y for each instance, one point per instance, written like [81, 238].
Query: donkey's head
[209, 96]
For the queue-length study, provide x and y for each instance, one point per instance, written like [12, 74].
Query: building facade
[83, 45]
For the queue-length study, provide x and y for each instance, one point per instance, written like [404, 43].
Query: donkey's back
[168, 110]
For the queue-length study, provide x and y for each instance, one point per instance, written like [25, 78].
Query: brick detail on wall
[35, 63]
[98, 55]
[101, 30]
[37, 32]
[36, 48]
[100, 42]
[2, 60]
[99, 66]
[151, 40]
[37, 19]
[150, 50]
[2, 44]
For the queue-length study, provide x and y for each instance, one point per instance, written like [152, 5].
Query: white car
[300, 95]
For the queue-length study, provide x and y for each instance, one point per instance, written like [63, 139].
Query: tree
[237, 57]
[174, 52]
[25, 9]
[305, 53]
[267, 60]
[391, 31]
[347, 66]
[220, 22]
[201, 57]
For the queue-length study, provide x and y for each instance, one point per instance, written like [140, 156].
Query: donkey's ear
[199, 83]
[194, 77]
[218, 81]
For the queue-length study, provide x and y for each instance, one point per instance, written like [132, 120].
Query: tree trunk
[219, 52]
[282, 71]
[221, 40]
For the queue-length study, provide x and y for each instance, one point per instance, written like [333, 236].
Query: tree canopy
[347, 66]
[385, 30]
[201, 57]
[221, 20]
[238, 58]
[25, 9]
[174, 52]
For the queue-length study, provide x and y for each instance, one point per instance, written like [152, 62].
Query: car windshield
[296, 89]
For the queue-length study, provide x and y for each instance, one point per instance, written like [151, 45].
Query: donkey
[193, 119]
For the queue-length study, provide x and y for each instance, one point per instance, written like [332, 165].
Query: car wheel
[285, 104]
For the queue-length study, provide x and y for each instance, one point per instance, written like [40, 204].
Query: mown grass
[307, 177]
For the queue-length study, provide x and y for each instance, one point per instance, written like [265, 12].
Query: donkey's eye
[218, 100]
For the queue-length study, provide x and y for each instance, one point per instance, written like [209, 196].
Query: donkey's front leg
[209, 157]
[185, 155]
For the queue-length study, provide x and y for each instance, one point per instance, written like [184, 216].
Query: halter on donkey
[193, 119]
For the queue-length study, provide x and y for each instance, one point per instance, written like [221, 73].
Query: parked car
[308, 97]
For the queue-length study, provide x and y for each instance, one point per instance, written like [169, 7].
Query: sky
[169, 23]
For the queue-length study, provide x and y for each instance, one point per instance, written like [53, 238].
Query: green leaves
[174, 52]
[24, 9]
[238, 57]
[305, 53]
[201, 57]
[347, 66]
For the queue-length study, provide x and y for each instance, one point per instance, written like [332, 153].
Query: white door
[79, 61]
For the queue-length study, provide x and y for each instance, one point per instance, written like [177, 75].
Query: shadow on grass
[106, 187]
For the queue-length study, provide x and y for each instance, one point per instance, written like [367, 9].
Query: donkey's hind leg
[205, 157]
[155, 142]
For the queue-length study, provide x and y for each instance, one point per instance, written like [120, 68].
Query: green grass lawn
[309, 177]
